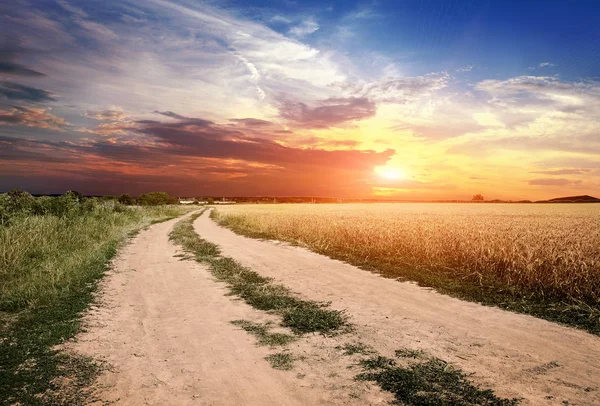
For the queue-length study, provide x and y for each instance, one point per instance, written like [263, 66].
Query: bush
[126, 199]
[156, 199]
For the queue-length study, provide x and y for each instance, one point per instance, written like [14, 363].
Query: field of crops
[539, 259]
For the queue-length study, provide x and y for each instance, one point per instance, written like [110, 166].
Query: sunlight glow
[390, 173]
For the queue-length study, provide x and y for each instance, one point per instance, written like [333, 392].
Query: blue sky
[404, 99]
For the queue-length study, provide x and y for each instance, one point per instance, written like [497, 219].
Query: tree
[154, 199]
[477, 198]
[126, 199]
[210, 200]
[20, 201]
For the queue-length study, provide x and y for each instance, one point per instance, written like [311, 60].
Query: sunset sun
[390, 173]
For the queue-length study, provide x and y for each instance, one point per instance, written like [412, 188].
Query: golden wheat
[546, 250]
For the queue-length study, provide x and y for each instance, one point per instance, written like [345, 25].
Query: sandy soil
[163, 326]
[516, 355]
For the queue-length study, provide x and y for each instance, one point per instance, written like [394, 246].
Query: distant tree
[69, 203]
[477, 198]
[154, 199]
[126, 199]
[210, 200]
[20, 201]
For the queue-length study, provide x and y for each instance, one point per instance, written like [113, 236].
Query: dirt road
[164, 326]
[516, 355]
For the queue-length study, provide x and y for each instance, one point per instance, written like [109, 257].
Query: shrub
[126, 199]
[154, 199]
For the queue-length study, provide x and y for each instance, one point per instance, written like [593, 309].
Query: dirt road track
[164, 327]
[516, 355]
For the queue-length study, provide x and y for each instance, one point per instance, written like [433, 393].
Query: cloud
[306, 27]
[12, 68]
[80, 17]
[328, 113]
[203, 153]
[252, 122]
[114, 114]
[31, 117]
[564, 172]
[398, 90]
[15, 91]
[554, 182]
[281, 19]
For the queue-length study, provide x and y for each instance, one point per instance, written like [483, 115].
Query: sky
[400, 99]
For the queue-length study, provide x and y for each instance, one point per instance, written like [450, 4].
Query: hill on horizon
[574, 199]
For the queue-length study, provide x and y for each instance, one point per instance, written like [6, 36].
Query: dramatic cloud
[206, 150]
[13, 68]
[9, 52]
[15, 91]
[199, 94]
[332, 112]
[31, 117]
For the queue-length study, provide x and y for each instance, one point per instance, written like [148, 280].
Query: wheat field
[535, 258]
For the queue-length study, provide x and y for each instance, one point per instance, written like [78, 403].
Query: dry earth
[163, 325]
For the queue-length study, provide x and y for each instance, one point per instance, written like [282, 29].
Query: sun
[390, 173]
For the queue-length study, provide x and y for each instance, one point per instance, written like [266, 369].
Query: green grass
[356, 348]
[50, 267]
[301, 316]
[408, 353]
[427, 381]
[262, 333]
[281, 360]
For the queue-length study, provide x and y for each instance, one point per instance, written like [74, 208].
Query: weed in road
[281, 360]
[262, 333]
[429, 381]
[408, 353]
[357, 348]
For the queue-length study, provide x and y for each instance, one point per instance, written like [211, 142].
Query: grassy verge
[51, 266]
[419, 380]
[301, 316]
[454, 279]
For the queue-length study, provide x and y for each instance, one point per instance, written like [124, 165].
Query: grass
[429, 381]
[408, 353]
[356, 348]
[281, 360]
[301, 316]
[50, 267]
[262, 333]
[541, 260]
